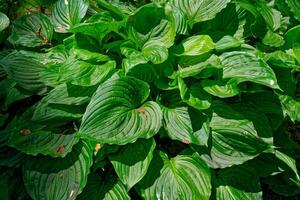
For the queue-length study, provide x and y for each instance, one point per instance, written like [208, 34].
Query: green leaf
[271, 16]
[273, 39]
[181, 177]
[281, 59]
[64, 103]
[292, 36]
[194, 49]
[98, 26]
[132, 162]
[160, 29]
[200, 10]
[234, 137]
[78, 72]
[194, 96]
[10, 157]
[222, 89]
[25, 71]
[290, 106]
[4, 21]
[118, 113]
[178, 123]
[295, 7]
[106, 187]
[68, 13]
[227, 42]
[296, 50]
[212, 62]
[257, 71]
[155, 53]
[31, 31]
[238, 182]
[68, 175]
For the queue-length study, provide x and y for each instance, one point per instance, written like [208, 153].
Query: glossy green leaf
[33, 139]
[271, 16]
[159, 31]
[290, 106]
[106, 187]
[212, 62]
[227, 42]
[25, 71]
[257, 71]
[68, 13]
[222, 89]
[4, 21]
[273, 39]
[234, 137]
[295, 7]
[118, 113]
[31, 31]
[194, 96]
[194, 49]
[155, 53]
[292, 36]
[178, 123]
[238, 183]
[98, 26]
[132, 162]
[68, 175]
[198, 11]
[181, 177]
[65, 102]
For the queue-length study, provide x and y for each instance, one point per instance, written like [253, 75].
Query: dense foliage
[169, 99]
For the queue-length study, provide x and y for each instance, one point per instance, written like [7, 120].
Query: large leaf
[244, 66]
[238, 182]
[4, 21]
[58, 178]
[78, 72]
[118, 113]
[234, 137]
[32, 138]
[194, 96]
[194, 49]
[10, 157]
[98, 26]
[200, 10]
[106, 187]
[178, 124]
[290, 106]
[181, 177]
[68, 13]
[32, 30]
[66, 102]
[25, 71]
[132, 162]
[295, 7]
[160, 29]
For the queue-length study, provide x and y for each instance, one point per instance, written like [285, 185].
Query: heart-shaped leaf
[118, 113]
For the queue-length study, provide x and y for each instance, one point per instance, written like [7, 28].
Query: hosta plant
[161, 99]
